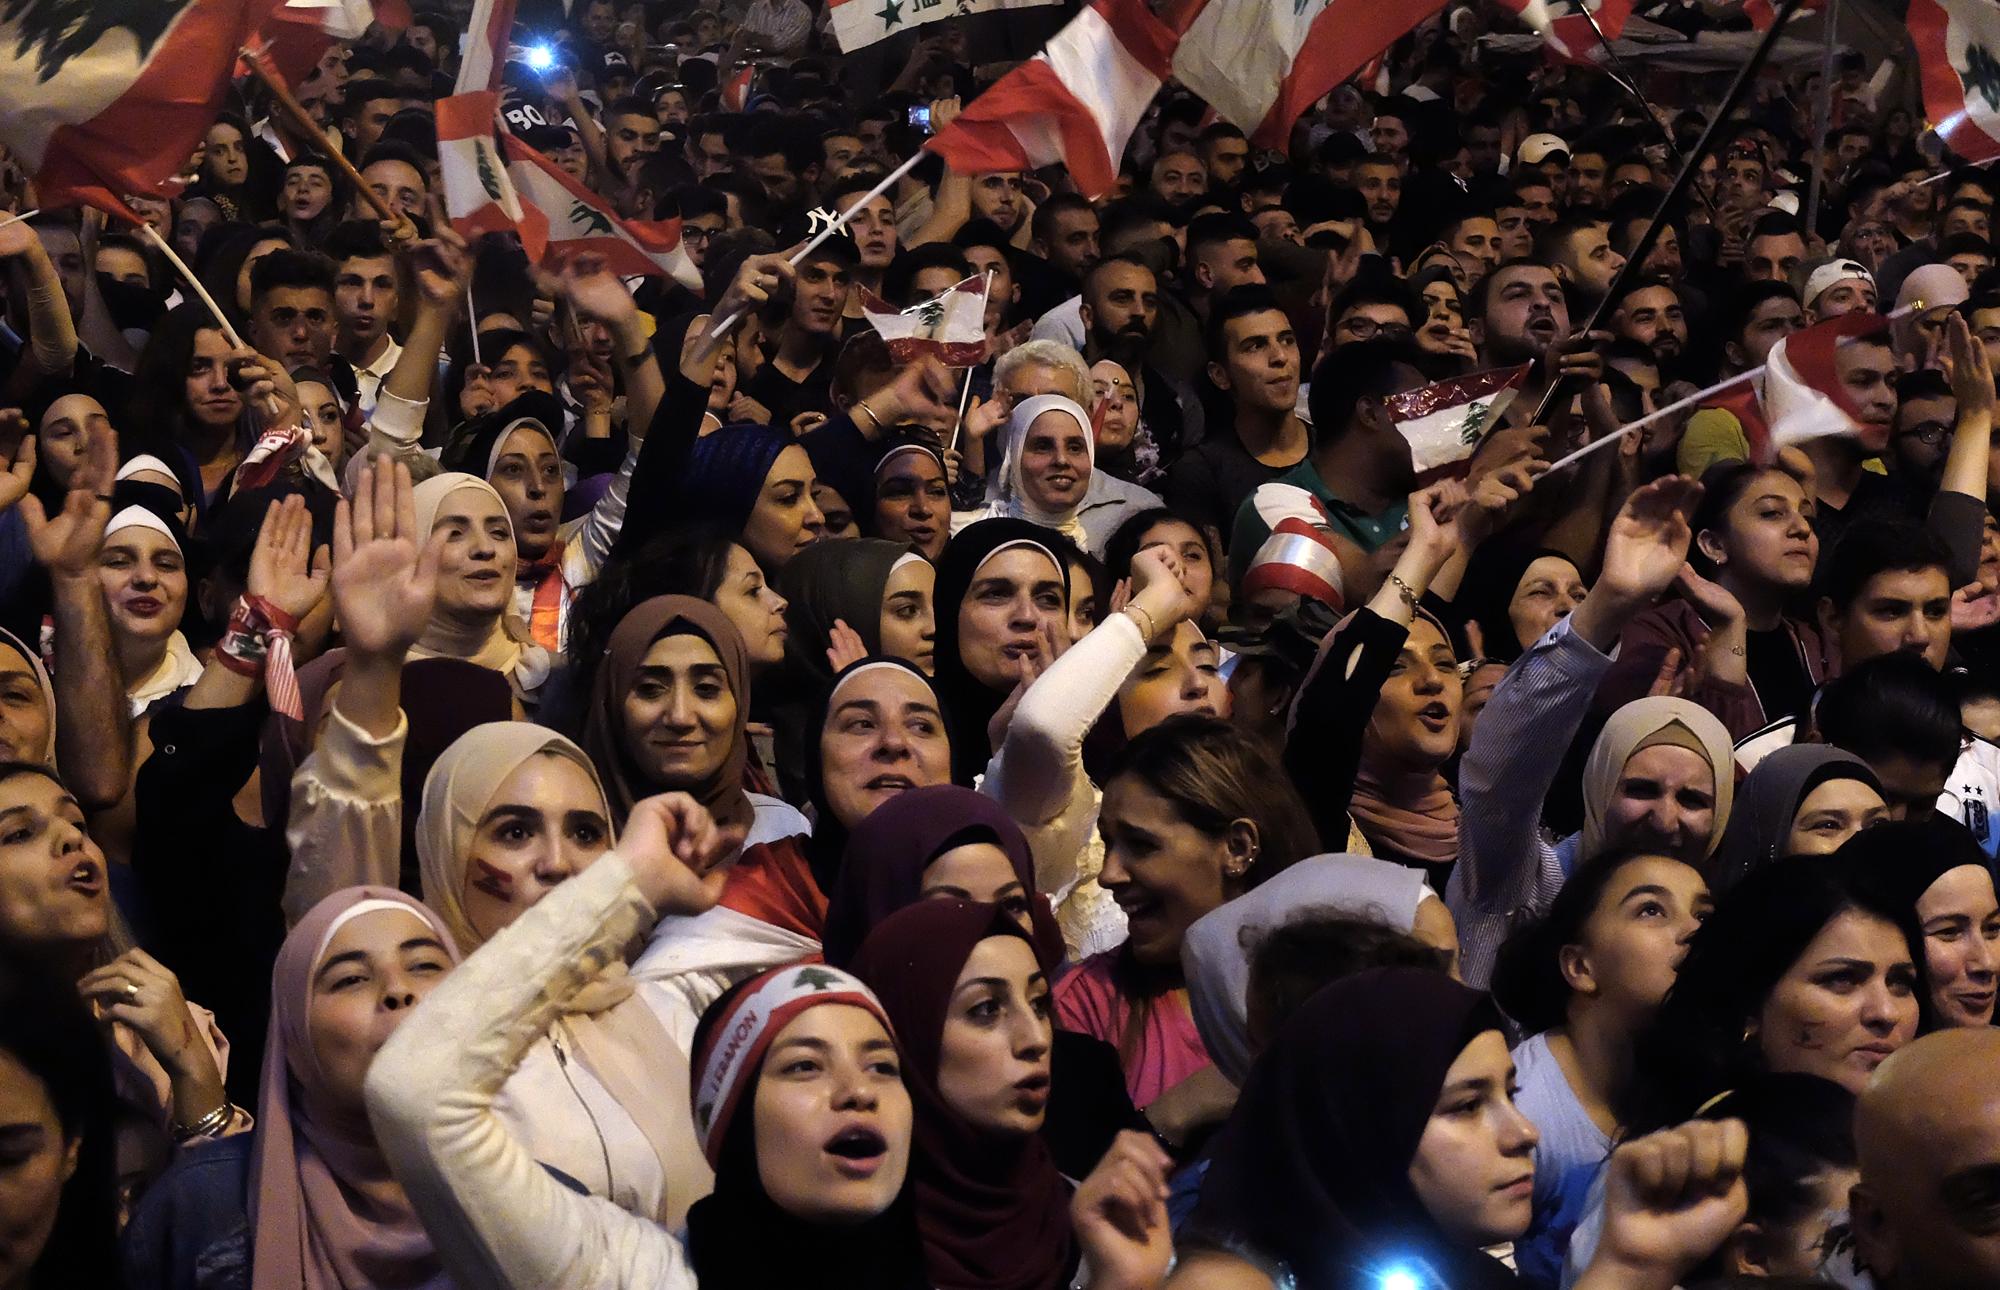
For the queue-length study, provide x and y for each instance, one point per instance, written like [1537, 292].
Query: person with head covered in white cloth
[1048, 461]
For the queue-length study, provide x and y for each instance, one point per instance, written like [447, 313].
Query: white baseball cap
[1536, 148]
[1831, 272]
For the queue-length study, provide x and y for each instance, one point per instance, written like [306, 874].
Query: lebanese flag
[736, 90]
[299, 31]
[1565, 29]
[950, 327]
[1445, 422]
[1958, 51]
[479, 194]
[1762, 13]
[1258, 64]
[1803, 395]
[106, 99]
[572, 220]
[486, 36]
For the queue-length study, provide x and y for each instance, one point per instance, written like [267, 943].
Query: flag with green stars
[863, 22]
[1958, 52]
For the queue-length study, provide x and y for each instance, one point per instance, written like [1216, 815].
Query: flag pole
[187, 275]
[472, 322]
[16, 219]
[1681, 405]
[302, 121]
[965, 394]
[1682, 182]
[1824, 125]
[717, 330]
[1625, 79]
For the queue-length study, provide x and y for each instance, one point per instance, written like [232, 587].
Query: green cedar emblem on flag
[489, 173]
[1982, 74]
[588, 218]
[817, 978]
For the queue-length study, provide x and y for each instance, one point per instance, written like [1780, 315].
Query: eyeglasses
[1369, 329]
[1928, 433]
[697, 233]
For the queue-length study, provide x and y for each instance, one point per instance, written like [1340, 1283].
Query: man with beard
[1121, 306]
[1650, 313]
[1065, 245]
[1378, 177]
[1221, 256]
[1580, 250]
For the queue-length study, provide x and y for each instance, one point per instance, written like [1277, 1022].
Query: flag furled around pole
[106, 98]
[1958, 53]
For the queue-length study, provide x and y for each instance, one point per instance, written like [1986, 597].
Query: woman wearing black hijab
[1376, 1139]
[984, 640]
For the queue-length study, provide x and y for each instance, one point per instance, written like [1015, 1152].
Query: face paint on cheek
[492, 881]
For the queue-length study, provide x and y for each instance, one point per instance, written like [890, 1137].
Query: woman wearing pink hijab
[307, 1200]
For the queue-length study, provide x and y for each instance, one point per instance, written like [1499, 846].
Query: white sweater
[497, 1217]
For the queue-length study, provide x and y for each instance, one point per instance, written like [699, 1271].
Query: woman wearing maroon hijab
[946, 842]
[967, 992]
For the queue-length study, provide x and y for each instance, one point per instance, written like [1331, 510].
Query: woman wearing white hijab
[143, 569]
[1048, 454]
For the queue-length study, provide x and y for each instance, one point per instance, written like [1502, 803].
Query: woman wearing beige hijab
[510, 811]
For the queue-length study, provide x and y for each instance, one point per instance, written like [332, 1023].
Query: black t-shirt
[1211, 479]
[1778, 674]
[787, 398]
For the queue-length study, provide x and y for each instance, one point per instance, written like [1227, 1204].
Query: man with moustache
[1121, 306]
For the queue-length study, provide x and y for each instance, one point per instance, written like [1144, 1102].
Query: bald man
[1926, 1212]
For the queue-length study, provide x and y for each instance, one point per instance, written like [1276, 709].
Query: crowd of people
[630, 800]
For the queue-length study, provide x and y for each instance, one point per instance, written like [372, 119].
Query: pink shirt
[1169, 1048]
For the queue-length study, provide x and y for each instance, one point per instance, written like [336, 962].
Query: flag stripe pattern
[577, 222]
[1958, 52]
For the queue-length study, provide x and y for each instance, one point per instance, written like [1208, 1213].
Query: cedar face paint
[492, 881]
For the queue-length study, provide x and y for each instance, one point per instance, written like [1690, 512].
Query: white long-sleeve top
[345, 830]
[496, 1216]
[1037, 775]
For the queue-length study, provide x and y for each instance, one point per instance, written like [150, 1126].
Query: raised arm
[1505, 870]
[440, 269]
[496, 1216]
[93, 718]
[1958, 512]
[51, 331]
[346, 822]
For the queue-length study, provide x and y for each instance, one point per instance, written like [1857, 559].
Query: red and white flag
[736, 90]
[950, 327]
[1257, 63]
[1762, 13]
[1566, 29]
[1958, 51]
[300, 31]
[1445, 422]
[573, 220]
[486, 34]
[103, 99]
[479, 194]
[1804, 397]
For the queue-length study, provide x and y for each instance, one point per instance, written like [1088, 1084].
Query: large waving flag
[479, 195]
[108, 97]
[1259, 64]
[1958, 50]
[299, 31]
[486, 36]
[1803, 394]
[572, 220]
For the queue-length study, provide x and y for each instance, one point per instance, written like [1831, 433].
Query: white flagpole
[472, 321]
[1679, 405]
[965, 394]
[718, 329]
[187, 275]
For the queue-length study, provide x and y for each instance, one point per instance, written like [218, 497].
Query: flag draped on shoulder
[859, 23]
[1259, 63]
[1804, 397]
[1958, 52]
[950, 327]
[108, 97]
[573, 220]
[1446, 422]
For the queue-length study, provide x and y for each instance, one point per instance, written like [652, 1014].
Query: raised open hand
[595, 292]
[17, 457]
[384, 572]
[284, 567]
[67, 544]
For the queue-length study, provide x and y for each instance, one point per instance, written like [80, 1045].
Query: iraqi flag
[108, 97]
[1258, 64]
[1958, 50]
[1803, 394]
[950, 327]
[574, 221]
[479, 194]
[1446, 422]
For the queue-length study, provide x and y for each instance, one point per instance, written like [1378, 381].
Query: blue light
[1400, 1279]
[541, 57]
